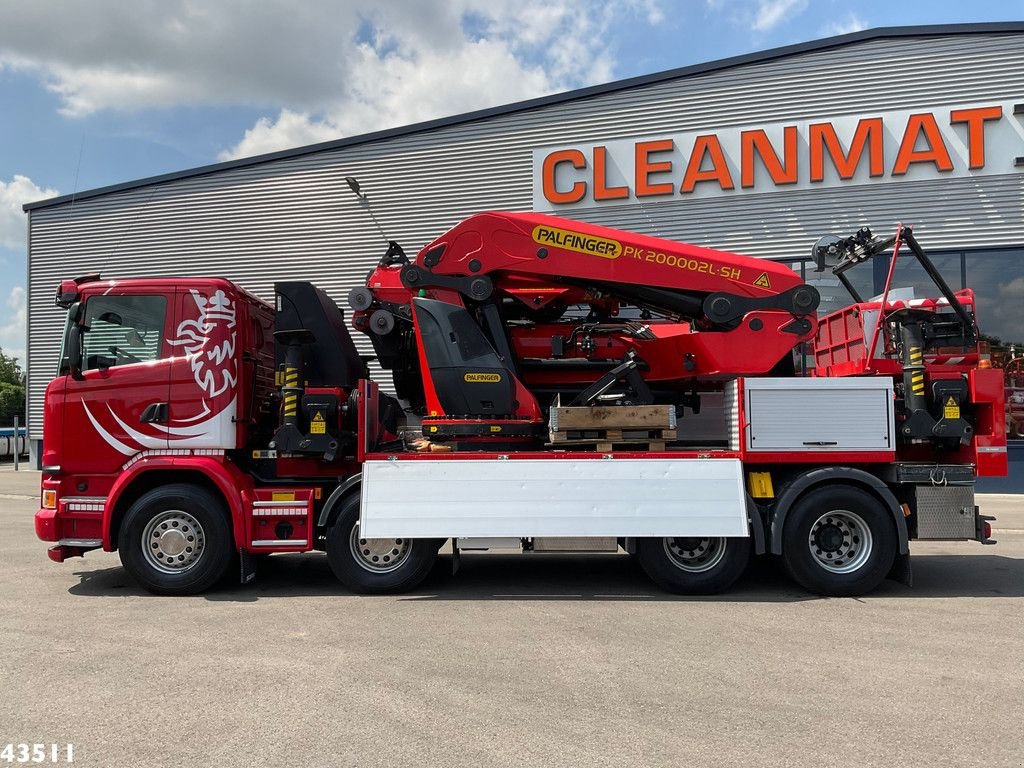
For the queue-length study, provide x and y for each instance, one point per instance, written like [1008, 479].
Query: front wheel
[176, 540]
[839, 541]
[692, 565]
[376, 566]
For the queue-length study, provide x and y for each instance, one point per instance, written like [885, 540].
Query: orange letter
[644, 167]
[579, 188]
[601, 190]
[719, 171]
[757, 141]
[822, 137]
[975, 119]
[935, 153]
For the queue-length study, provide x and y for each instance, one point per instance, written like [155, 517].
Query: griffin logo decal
[762, 281]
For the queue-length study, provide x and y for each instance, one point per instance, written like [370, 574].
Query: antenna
[74, 191]
[128, 228]
[353, 184]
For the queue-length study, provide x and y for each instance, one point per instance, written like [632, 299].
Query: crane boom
[665, 317]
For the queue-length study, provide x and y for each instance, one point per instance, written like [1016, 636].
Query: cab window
[122, 330]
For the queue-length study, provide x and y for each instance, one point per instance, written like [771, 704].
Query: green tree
[12, 390]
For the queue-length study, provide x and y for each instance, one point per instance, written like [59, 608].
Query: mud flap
[247, 567]
[456, 557]
[900, 570]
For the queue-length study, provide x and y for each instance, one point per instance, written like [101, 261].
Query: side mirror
[74, 350]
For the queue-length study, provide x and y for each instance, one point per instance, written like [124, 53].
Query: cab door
[115, 408]
[204, 370]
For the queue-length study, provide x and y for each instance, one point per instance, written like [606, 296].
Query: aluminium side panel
[819, 415]
[553, 497]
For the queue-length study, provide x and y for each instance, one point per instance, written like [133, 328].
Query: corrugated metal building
[918, 124]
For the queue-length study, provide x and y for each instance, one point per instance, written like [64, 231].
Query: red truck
[547, 375]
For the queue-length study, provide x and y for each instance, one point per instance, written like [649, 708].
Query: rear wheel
[839, 541]
[694, 565]
[176, 540]
[376, 566]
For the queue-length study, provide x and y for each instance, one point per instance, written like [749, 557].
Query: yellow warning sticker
[317, 425]
[950, 410]
[495, 428]
[591, 245]
[482, 378]
[762, 281]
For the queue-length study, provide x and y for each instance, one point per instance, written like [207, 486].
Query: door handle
[155, 413]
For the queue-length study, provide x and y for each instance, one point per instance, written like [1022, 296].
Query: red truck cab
[164, 369]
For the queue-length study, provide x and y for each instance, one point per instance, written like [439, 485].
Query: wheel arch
[823, 477]
[211, 476]
[331, 508]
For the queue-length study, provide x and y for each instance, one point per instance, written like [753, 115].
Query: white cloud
[505, 52]
[322, 68]
[12, 331]
[290, 129]
[771, 13]
[14, 194]
[849, 23]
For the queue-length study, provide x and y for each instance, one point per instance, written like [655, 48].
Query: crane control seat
[469, 377]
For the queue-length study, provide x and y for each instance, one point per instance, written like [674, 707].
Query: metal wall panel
[294, 218]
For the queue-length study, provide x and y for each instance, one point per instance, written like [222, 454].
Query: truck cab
[149, 368]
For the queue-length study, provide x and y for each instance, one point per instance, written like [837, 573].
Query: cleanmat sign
[911, 145]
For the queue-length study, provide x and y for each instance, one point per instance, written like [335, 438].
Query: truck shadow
[579, 577]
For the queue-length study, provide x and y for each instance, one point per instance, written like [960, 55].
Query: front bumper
[52, 526]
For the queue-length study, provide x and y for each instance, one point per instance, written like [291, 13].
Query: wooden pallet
[629, 427]
[601, 447]
[612, 417]
[608, 439]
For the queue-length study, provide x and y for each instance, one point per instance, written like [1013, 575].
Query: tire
[839, 541]
[176, 540]
[693, 565]
[376, 566]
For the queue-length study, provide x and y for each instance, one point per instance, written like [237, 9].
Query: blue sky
[102, 92]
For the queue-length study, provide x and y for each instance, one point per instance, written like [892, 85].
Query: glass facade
[997, 278]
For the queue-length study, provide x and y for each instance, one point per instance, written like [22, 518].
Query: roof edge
[821, 44]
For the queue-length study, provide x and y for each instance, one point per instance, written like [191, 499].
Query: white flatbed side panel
[553, 497]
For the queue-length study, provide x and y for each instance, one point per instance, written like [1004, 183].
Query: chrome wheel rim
[840, 541]
[378, 555]
[694, 554]
[173, 541]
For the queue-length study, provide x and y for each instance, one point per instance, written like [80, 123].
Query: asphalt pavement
[545, 660]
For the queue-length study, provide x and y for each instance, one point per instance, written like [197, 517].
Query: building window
[997, 278]
[910, 274]
[995, 275]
